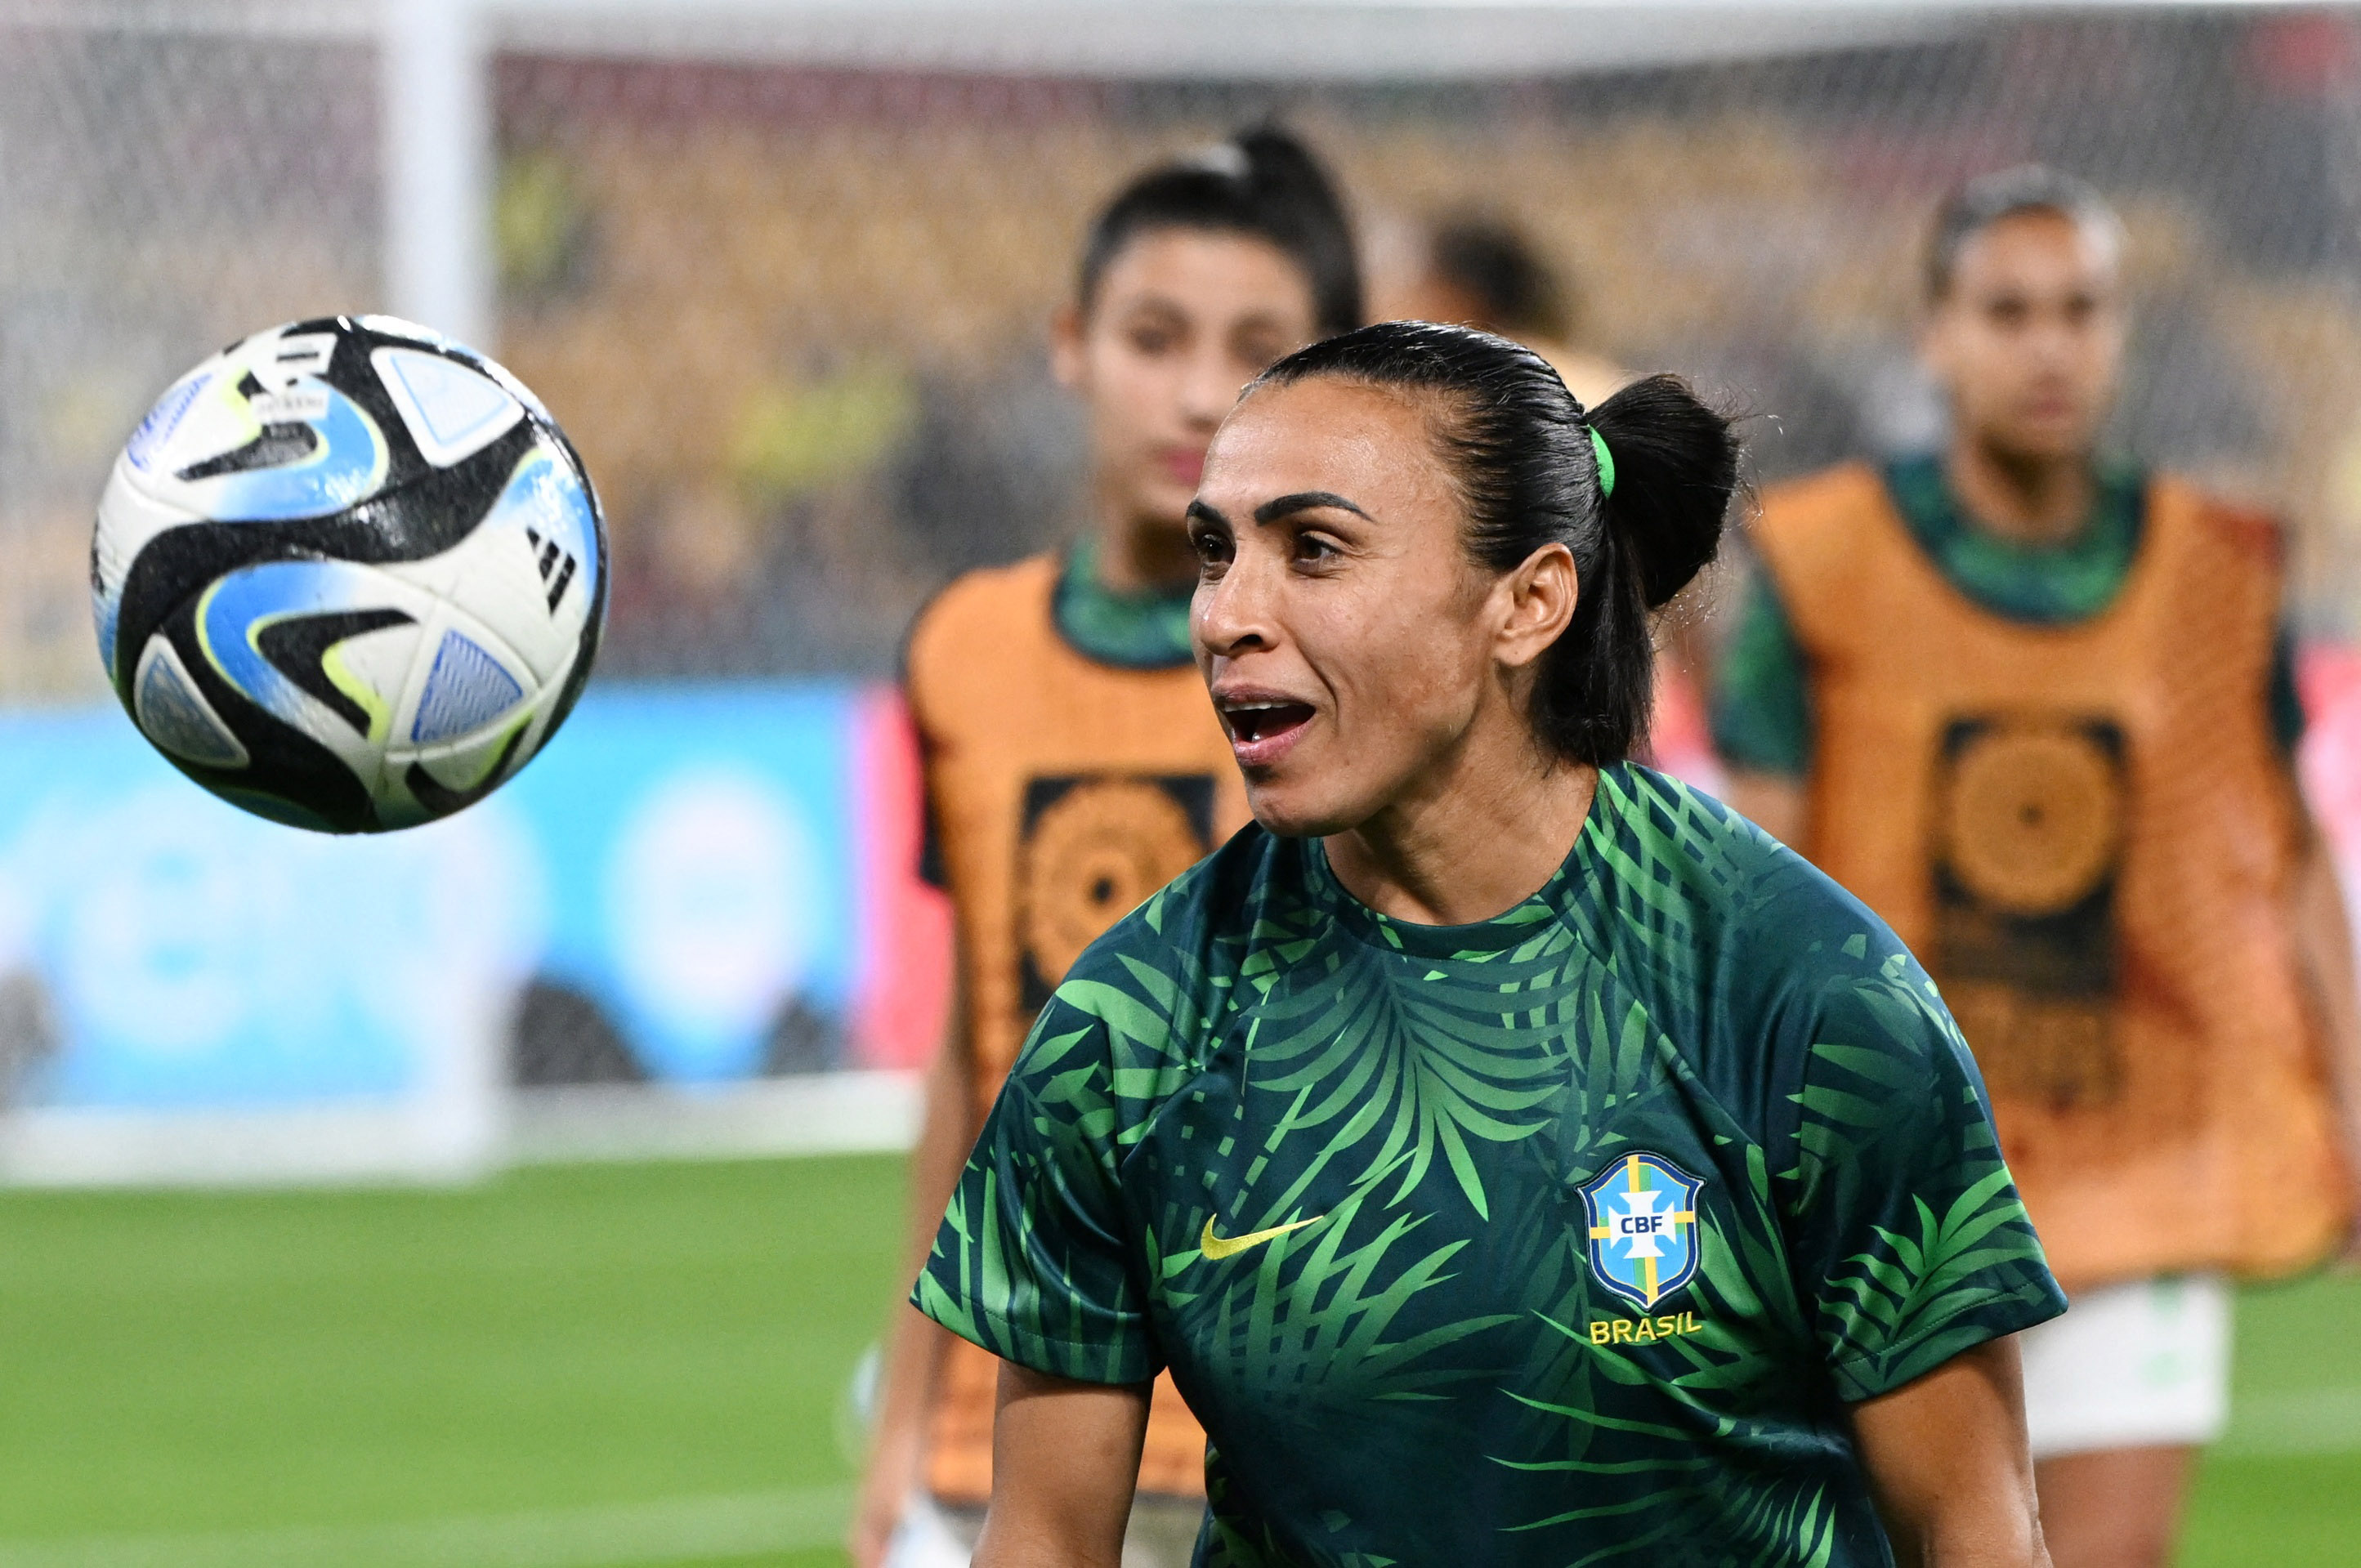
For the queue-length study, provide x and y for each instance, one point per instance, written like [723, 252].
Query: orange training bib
[2088, 833]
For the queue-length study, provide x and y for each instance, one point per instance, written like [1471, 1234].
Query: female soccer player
[1515, 1158]
[1072, 766]
[2034, 706]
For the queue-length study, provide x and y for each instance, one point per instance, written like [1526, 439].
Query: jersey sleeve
[934, 870]
[2287, 717]
[1761, 710]
[1909, 1242]
[1031, 1261]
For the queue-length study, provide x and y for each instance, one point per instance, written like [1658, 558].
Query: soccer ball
[348, 575]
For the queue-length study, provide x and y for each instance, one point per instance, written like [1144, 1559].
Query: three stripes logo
[556, 566]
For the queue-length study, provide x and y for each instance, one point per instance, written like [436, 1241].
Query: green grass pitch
[634, 1366]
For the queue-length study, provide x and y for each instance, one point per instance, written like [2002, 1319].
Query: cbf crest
[1644, 1227]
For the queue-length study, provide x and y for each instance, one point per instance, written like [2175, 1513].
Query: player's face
[1349, 640]
[1184, 319]
[2029, 340]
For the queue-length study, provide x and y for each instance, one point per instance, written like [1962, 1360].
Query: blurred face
[1353, 649]
[2029, 340]
[1184, 319]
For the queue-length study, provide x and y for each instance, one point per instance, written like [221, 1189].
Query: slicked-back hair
[1518, 449]
[1262, 182]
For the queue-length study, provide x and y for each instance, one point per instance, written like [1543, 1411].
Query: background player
[1518, 1158]
[1472, 270]
[2034, 708]
[1072, 765]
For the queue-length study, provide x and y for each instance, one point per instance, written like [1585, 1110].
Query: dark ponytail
[1675, 467]
[1521, 452]
[1262, 182]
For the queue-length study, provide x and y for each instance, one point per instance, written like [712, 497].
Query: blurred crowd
[795, 317]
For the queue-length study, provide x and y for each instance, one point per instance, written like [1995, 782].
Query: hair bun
[1263, 183]
[1676, 469]
[1270, 156]
[1292, 185]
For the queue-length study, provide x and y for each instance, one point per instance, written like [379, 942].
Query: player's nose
[1235, 612]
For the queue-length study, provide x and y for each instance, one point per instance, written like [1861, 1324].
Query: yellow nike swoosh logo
[1219, 1247]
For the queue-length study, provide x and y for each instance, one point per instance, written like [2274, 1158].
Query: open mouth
[1253, 722]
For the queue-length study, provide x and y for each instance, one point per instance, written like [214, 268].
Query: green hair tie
[1605, 461]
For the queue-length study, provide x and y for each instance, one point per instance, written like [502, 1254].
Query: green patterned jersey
[1560, 1238]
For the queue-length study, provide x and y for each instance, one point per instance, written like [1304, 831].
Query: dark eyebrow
[1304, 500]
[1199, 513]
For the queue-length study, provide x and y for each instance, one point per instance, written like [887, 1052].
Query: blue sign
[683, 860]
[1644, 1227]
[699, 849]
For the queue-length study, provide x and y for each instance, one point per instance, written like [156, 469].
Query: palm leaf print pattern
[1410, 1356]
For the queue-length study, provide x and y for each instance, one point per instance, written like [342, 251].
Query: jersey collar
[2045, 585]
[1131, 632]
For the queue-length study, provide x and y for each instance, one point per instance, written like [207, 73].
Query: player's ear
[1065, 330]
[1538, 599]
